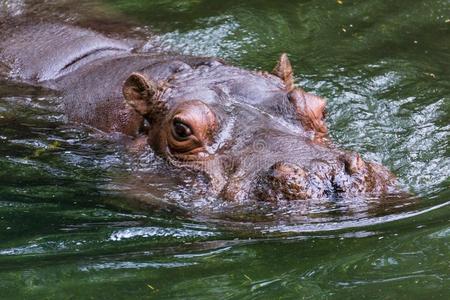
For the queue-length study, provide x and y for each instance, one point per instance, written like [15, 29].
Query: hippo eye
[181, 131]
[189, 129]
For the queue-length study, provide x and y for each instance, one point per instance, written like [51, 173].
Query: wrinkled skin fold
[253, 134]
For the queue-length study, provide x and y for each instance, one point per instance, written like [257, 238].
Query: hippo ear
[310, 110]
[141, 94]
[283, 70]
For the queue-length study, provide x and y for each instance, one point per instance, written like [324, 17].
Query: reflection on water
[145, 232]
[81, 216]
[215, 38]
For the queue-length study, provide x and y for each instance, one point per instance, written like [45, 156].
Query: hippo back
[38, 53]
[86, 67]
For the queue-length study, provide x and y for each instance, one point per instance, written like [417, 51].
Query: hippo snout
[289, 180]
[284, 180]
[347, 175]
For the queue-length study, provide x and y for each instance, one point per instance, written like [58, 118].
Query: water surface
[82, 218]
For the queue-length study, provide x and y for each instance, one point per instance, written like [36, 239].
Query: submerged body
[253, 134]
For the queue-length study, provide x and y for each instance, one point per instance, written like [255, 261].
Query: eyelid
[180, 120]
[184, 122]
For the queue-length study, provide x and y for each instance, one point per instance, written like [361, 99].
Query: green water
[68, 230]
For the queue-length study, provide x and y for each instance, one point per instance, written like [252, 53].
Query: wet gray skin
[255, 135]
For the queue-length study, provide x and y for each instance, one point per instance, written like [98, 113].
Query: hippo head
[253, 134]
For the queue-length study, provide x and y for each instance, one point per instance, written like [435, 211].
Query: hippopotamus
[252, 134]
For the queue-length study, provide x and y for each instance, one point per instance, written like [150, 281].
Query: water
[82, 218]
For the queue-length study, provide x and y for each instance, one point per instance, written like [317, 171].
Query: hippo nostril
[353, 163]
[283, 170]
[286, 181]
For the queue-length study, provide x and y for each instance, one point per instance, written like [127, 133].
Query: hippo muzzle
[288, 181]
[305, 172]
